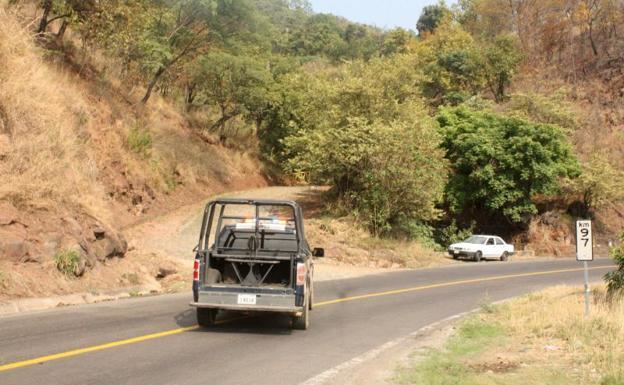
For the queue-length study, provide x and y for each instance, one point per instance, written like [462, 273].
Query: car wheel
[206, 317]
[302, 322]
[504, 257]
[455, 256]
[478, 256]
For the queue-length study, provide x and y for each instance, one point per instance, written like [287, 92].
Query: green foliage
[66, 261]
[453, 233]
[615, 279]
[140, 141]
[384, 171]
[418, 231]
[451, 66]
[501, 163]
[600, 183]
[235, 84]
[502, 58]
[430, 17]
[396, 41]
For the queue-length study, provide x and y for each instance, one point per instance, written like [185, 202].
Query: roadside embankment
[540, 338]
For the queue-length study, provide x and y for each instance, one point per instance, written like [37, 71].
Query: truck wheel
[505, 256]
[206, 317]
[311, 301]
[478, 256]
[303, 321]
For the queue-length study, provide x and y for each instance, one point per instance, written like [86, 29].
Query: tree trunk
[190, 96]
[152, 83]
[61, 31]
[43, 24]
[591, 40]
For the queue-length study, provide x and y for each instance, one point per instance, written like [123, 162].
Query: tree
[450, 64]
[236, 84]
[430, 17]
[500, 164]
[385, 172]
[600, 184]
[501, 62]
[615, 279]
[396, 41]
[175, 33]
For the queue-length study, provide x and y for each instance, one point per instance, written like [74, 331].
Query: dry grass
[592, 348]
[541, 338]
[346, 242]
[46, 161]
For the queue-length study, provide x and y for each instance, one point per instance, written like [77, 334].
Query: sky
[382, 13]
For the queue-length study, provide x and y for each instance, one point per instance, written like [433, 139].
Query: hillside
[489, 119]
[80, 163]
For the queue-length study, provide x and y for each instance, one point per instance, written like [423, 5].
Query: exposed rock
[51, 243]
[81, 267]
[112, 245]
[5, 143]
[99, 232]
[166, 269]
[8, 214]
[13, 248]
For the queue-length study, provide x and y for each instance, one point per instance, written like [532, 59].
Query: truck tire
[478, 256]
[206, 317]
[311, 301]
[303, 321]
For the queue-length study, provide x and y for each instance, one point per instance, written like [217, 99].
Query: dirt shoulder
[540, 338]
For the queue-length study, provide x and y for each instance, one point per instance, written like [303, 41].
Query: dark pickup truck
[253, 256]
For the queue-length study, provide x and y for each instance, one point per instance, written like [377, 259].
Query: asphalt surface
[256, 349]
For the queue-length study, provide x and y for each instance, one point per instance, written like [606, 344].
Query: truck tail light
[301, 274]
[196, 270]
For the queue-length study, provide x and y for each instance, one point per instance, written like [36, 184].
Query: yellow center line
[452, 283]
[146, 337]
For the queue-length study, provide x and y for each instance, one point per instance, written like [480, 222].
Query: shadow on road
[239, 322]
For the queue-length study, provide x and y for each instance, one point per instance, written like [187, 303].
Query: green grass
[140, 141]
[66, 261]
[132, 278]
[458, 362]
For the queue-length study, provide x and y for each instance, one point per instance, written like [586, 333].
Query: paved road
[356, 315]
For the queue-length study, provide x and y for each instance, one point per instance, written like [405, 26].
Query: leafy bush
[384, 172]
[452, 234]
[66, 261]
[418, 231]
[615, 279]
[501, 163]
[140, 141]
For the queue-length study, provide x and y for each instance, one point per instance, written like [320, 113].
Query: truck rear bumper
[280, 303]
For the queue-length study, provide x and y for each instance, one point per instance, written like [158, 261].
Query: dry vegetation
[77, 158]
[347, 242]
[541, 338]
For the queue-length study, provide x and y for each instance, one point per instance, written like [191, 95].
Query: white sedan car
[478, 247]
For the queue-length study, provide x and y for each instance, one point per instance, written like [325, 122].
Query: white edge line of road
[329, 374]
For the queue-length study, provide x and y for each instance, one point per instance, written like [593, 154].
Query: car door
[489, 248]
[500, 246]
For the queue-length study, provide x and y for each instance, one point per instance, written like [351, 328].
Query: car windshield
[476, 239]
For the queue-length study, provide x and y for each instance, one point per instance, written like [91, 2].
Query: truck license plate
[246, 299]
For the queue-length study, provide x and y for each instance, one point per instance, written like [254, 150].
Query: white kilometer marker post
[584, 252]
